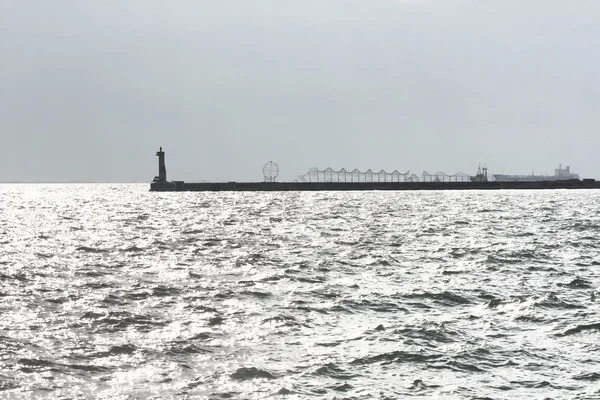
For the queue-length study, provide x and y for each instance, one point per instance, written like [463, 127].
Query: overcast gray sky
[90, 89]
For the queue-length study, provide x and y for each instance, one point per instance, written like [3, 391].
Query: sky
[90, 89]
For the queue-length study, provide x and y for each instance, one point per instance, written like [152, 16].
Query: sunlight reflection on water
[111, 291]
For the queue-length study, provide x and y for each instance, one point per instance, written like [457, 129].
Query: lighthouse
[162, 169]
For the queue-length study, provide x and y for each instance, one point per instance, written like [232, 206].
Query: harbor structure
[358, 181]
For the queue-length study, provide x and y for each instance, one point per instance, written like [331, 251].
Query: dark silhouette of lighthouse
[162, 169]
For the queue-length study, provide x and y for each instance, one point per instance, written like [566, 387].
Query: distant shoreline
[67, 182]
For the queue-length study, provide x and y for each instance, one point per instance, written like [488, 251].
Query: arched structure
[443, 177]
[330, 175]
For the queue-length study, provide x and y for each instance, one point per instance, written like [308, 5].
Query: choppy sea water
[109, 291]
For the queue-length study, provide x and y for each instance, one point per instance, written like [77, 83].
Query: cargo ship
[560, 174]
[478, 182]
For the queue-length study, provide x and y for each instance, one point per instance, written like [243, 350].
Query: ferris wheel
[270, 171]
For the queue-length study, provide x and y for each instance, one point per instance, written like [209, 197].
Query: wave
[581, 328]
[397, 357]
[163, 291]
[590, 376]
[88, 368]
[88, 249]
[133, 249]
[8, 383]
[121, 320]
[536, 384]
[122, 349]
[418, 385]
[187, 349]
[370, 305]
[551, 300]
[36, 362]
[440, 335]
[577, 283]
[257, 294]
[284, 391]
[22, 277]
[342, 388]
[242, 374]
[214, 321]
[456, 366]
[446, 298]
[334, 371]
[31, 365]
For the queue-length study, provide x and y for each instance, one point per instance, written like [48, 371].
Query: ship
[560, 174]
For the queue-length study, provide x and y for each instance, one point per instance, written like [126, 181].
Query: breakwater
[182, 186]
[271, 171]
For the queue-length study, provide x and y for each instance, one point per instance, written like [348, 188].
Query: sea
[109, 291]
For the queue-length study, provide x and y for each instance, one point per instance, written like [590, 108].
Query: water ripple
[110, 291]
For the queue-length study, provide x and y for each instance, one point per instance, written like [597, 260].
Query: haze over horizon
[90, 90]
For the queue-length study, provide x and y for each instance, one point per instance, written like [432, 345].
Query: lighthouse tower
[162, 169]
